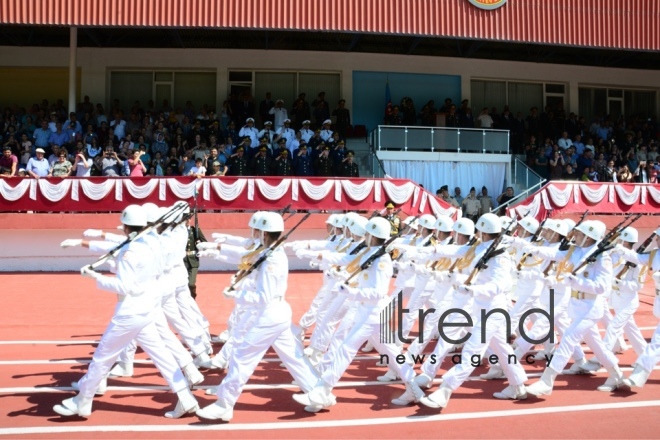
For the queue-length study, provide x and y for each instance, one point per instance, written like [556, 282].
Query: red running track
[48, 323]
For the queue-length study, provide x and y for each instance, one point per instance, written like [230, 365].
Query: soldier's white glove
[572, 280]
[214, 253]
[617, 282]
[335, 273]
[523, 274]
[71, 242]
[93, 233]
[302, 254]
[441, 276]
[217, 236]
[205, 246]
[549, 280]
[220, 239]
[88, 272]
[531, 250]
[464, 290]
[229, 293]
[422, 270]
[313, 264]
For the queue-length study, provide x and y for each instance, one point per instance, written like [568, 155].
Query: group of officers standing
[582, 273]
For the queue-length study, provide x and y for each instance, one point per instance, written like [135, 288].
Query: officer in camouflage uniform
[195, 235]
[391, 217]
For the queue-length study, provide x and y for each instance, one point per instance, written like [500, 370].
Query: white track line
[316, 424]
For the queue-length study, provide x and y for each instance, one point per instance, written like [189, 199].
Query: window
[519, 96]
[599, 102]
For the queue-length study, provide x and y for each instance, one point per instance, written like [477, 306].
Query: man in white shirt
[564, 142]
[279, 113]
[484, 119]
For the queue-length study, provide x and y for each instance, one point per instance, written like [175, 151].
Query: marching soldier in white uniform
[271, 326]
[586, 308]
[488, 291]
[138, 267]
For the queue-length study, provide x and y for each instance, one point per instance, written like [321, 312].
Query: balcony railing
[441, 139]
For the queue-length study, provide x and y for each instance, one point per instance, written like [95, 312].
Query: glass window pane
[198, 87]
[163, 76]
[488, 94]
[280, 85]
[615, 93]
[524, 96]
[240, 76]
[554, 88]
[128, 87]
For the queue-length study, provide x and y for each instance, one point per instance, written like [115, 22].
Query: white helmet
[358, 226]
[411, 222]
[349, 217]
[570, 224]
[464, 226]
[331, 219]
[271, 222]
[338, 220]
[444, 223]
[379, 227]
[629, 234]
[489, 223]
[505, 221]
[427, 221]
[592, 228]
[134, 215]
[153, 212]
[255, 220]
[530, 224]
[558, 226]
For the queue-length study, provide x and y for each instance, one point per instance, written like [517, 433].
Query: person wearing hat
[238, 164]
[443, 194]
[342, 118]
[487, 204]
[218, 169]
[264, 108]
[282, 165]
[326, 131]
[338, 154]
[38, 166]
[390, 216]
[305, 132]
[267, 133]
[8, 163]
[315, 141]
[302, 161]
[323, 164]
[287, 133]
[471, 205]
[262, 164]
[250, 131]
[279, 113]
[348, 167]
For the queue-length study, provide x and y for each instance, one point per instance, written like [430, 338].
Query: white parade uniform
[138, 268]
[252, 133]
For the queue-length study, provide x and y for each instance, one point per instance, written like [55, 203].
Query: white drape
[629, 198]
[560, 197]
[13, 193]
[316, 192]
[182, 190]
[432, 175]
[399, 194]
[594, 195]
[142, 191]
[54, 192]
[96, 191]
[226, 191]
[274, 192]
[358, 191]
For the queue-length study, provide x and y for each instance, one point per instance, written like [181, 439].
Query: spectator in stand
[59, 138]
[109, 163]
[158, 164]
[600, 164]
[466, 118]
[159, 145]
[218, 169]
[585, 161]
[144, 154]
[8, 163]
[593, 175]
[119, 125]
[198, 170]
[237, 163]
[487, 204]
[624, 175]
[443, 194]
[26, 149]
[585, 175]
[248, 130]
[342, 118]
[564, 141]
[282, 165]
[61, 168]
[279, 114]
[73, 124]
[578, 144]
[136, 166]
[42, 136]
[321, 113]
[540, 165]
[303, 162]
[632, 161]
[323, 165]
[642, 173]
[531, 151]
[609, 173]
[82, 163]
[484, 120]
[533, 122]
[556, 166]
[427, 114]
[186, 163]
[569, 173]
[348, 168]
[457, 195]
[652, 154]
[471, 205]
[452, 118]
[504, 198]
[395, 118]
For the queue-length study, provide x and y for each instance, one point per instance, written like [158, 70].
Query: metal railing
[523, 177]
[465, 140]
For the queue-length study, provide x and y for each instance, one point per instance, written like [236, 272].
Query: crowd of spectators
[475, 205]
[631, 143]
[45, 140]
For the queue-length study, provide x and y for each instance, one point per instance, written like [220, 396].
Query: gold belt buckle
[577, 295]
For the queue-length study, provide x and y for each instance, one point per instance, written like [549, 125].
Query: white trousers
[243, 320]
[120, 332]
[271, 327]
[651, 355]
[495, 340]
[311, 315]
[322, 334]
[419, 298]
[191, 313]
[624, 323]
[366, 327]
[582, 330]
